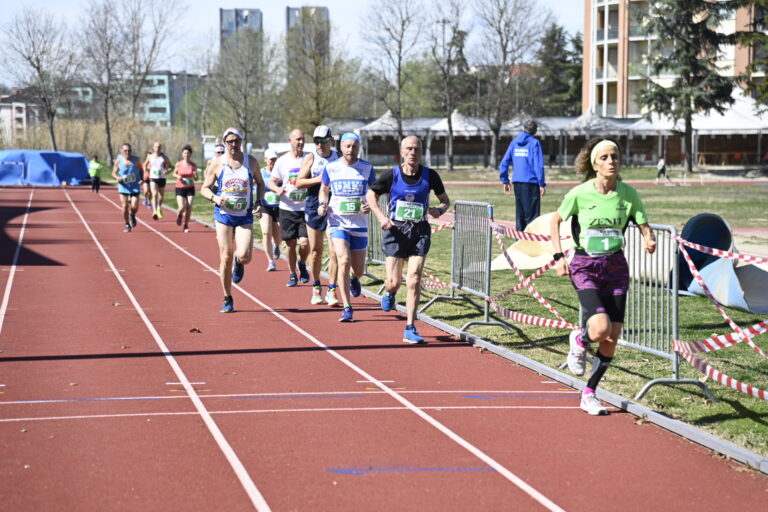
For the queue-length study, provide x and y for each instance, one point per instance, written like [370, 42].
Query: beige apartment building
[616, 55]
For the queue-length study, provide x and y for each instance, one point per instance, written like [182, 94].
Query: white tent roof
[387, 125]
[589, 122]
[463, 126]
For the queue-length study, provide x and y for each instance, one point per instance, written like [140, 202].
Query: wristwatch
[557, 256]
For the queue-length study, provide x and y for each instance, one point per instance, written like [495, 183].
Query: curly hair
[583, 164]
[187, 148]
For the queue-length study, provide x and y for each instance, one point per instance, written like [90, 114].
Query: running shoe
[355, 287]
[146, 203]
[154, 214]
[178, 218]
[591, 405]
[346, 315]
[292, 281]
[238, 270]
[133, 220]
[271, 266]
[186, 228]
[577, 356]
[303, 272]
[276, 251]
[411, 335]
[228, 306]
[388, 301]
[160, 212]
[317, 297]
[127, 228]
[330, 297]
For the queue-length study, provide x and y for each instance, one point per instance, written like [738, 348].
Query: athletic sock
[315, 283]
[598, 371]
[332, 286]
[584, 340]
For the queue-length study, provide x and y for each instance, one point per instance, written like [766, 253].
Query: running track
[111, 401]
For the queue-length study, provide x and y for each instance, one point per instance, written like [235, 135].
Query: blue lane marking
[56, 400]
[293, 396]
[364, 471]
[493, 397]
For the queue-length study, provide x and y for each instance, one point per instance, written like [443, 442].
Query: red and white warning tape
[723, 254]
[531, 320]
[722, 378]
[522, 235]
[442, 226]
[721, 341]
[528, 279]
[434, 282]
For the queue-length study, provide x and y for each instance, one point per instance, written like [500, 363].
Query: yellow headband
[601, 145]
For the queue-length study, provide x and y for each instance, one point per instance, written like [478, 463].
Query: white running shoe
[271, 266]
[590, 404]
[577, 356]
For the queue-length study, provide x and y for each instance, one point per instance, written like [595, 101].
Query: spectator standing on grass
[661, 170]
[270, 229]
[407, 233]
[234, 174]
[525, 155]
[600, 209]
[186, 175]
[127, 173]
[94, 171]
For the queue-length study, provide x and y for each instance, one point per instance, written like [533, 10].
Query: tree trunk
[688, 144]
[108, 130]
[52, 133]
[449, 145]
[494, 146]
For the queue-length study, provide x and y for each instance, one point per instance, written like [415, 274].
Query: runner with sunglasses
[234, 174]
[310, 178]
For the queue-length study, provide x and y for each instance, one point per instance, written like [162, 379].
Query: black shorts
[272, 211]
[315, 221]
[185, 192]
[593, 303]
[407, 239]
[160, 182]
[292, 225]
[136, 194]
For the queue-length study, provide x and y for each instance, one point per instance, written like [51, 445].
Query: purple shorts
[609, 275]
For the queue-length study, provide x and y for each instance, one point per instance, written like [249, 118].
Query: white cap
[322, 131]
[233, 131]
[269, 153]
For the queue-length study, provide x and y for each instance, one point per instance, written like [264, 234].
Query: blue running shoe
[346, 315]
[292, 281]
[388, 301]
[411, 335]
[228, 306]
[238, 271]
[355, 287]
[303, 272]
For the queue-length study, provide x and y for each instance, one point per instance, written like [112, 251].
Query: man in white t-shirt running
[293, 228]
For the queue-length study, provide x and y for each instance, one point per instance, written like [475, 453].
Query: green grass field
[736, 418]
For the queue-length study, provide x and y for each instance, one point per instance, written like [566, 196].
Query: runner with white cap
[310, 178]
[234, 175]
[348, 178]
[270, 229]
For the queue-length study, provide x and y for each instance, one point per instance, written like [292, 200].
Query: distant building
[234, 20]
[18, 111]
[163, 96]
[307, 33]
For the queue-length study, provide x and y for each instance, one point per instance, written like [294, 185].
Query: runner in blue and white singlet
[235, 176]
[127, 172]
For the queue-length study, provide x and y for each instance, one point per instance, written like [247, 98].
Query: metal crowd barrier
[471, 258]
[652, 315]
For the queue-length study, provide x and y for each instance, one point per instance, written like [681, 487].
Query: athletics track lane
[306, 459]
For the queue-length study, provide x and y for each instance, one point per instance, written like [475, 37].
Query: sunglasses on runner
[322, 140]
[232, 142]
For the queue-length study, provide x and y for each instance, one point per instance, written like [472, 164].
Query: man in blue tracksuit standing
[524, 153]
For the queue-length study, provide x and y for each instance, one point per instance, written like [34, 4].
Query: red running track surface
[111, 401]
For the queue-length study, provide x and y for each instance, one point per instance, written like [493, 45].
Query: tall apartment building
[233, 20]
[307, 32]
[616, 55]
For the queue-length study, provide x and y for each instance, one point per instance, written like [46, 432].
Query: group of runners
[307, 198]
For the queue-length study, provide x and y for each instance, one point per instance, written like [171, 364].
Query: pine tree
[559, 72]
[687, 46]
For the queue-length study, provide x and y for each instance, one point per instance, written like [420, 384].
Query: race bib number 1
[600, 242]
[236, 204]
[349, 206]
[407, 210]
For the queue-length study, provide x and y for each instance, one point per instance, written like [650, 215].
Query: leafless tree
[38, 49]
[147, 25]
[392, 32]
[104, 60]
[245, 82]
[510, 33]
[446, 50]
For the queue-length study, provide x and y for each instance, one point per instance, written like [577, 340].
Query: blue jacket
[524, 153]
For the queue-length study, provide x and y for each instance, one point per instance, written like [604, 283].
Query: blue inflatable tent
[41, 168]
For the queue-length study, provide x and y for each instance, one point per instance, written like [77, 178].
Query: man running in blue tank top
[127, 173]
[234, 175]
[407, 233]
[348, 178]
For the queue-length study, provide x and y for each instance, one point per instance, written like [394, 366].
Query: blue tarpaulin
[42, 168]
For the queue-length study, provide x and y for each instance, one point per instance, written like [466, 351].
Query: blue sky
[197, 25]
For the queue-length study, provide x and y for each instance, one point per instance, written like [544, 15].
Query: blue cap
[350, 136]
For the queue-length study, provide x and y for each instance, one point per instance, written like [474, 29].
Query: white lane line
[181, 383]
[297, 395]
[276, 411]
[509, 475]
[9, 283]
[369, 382]
[245, 480]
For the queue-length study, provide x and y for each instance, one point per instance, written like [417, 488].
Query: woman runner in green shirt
[600, 209]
